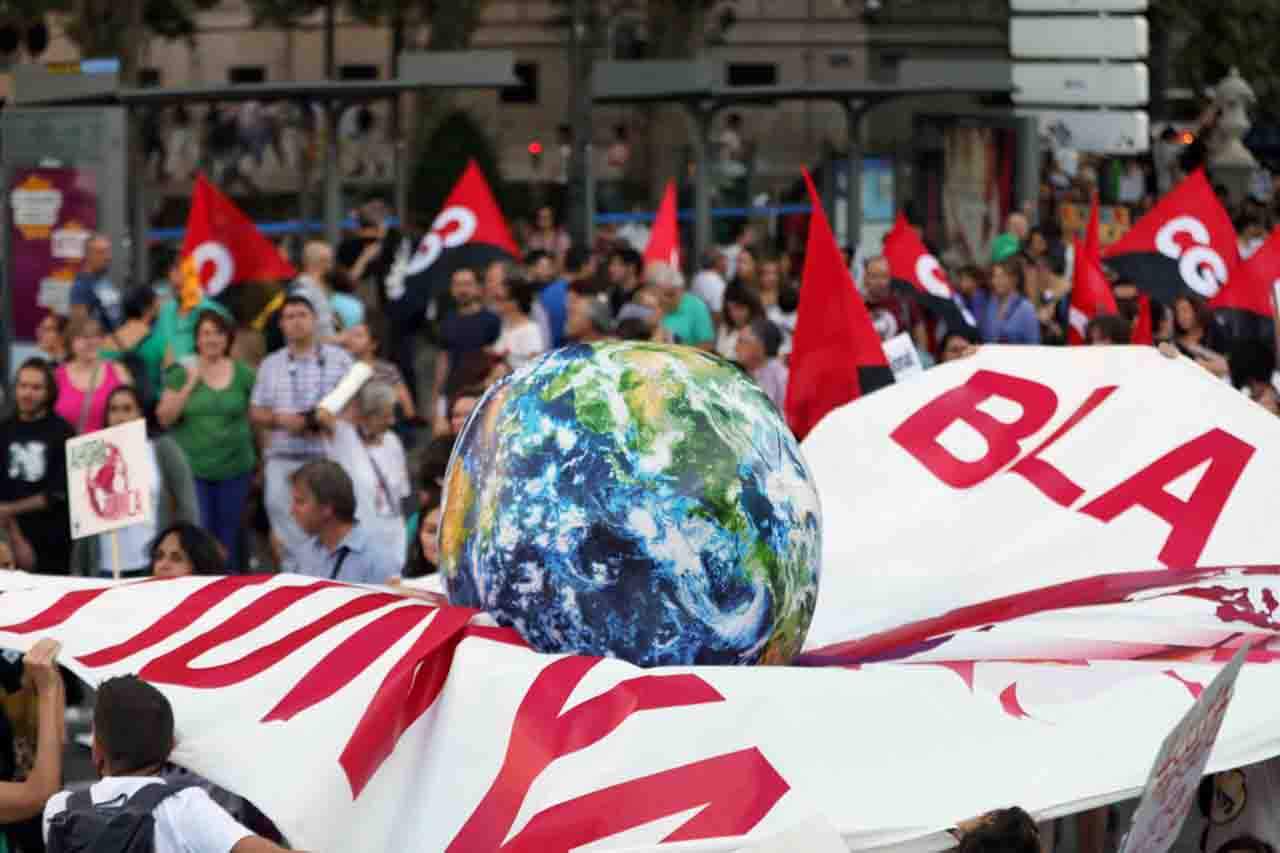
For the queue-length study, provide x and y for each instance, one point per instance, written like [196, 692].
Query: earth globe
[638, 501]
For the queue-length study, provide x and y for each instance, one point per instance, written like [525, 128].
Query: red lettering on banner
[918, 434]
[1192, 520]
[1056, 486]
[738, 789]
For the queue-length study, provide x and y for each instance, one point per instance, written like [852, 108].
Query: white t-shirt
[521, 344]
[187, 822]
[709, 287]
[376, 510]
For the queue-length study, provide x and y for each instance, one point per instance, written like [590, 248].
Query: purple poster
[52, 212]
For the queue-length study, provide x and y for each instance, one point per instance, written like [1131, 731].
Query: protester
[469, 330]
[709, 284]
[548, 237]
[1107, 329]
[133, 736]
[589, 318]
[33, 476]
[137, 345]
[206, 405]
[741, 308]
[365, 345]
[373, 457]
[685, 316]
[22, 800]
[86, 380]
[51, 341]
[1008, 830]
[93, 294]
[890, 314]
[176, 322]
[1009, 318]
[173, 497]
[757, 351]
[1198, 336]
[425, 557]
[955, 344]
[314, 284]
[182, 549]
[521, 339]
[290, 384]
[337, 547]
[625, 272]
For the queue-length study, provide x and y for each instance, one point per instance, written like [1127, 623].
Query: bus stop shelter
[698, 87]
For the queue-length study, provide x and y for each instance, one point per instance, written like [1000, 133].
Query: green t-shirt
[214, 429]
[690, 322]
[150, 351]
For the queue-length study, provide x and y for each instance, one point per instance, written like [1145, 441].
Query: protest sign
[109, 479]
[904, 359]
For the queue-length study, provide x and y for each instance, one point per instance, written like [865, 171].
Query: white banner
[1007, 623]
[110, 479]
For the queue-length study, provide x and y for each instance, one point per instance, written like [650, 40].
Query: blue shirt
[363, 559]
[96, 292]
[1019, 325]
[555, 301]
[349, 309]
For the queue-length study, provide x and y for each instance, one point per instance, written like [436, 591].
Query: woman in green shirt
[206, 407]
[138, 344]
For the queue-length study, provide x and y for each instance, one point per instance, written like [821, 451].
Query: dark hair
[630, 257]
[634, 329]
[769, 335]
[472, 270]
[1013, 266]
[208, 315]
[148, 415]
[1112, 326]
[576, 258]
[1252, 360]
[418, 565]
[201, 549]
[788, 298]
[963, 334]
[330, 485]
[974, 272]
[297, 298]
[133, 725]
[520, 290]
[1204, 314]
[535, 256]
[1008, 830]
[59, 320]
[138, 301]
[740, 293]
[50, 378]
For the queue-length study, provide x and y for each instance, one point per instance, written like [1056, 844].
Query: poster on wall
[52, 212]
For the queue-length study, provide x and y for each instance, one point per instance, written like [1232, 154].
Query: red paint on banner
[1056, 486]
[1195, 688]
[738, 789]
[1009, 701]
[57, 613]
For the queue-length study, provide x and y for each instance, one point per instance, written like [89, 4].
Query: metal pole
[853, 112]
[701, 116]
[579, 216]
[332, 180]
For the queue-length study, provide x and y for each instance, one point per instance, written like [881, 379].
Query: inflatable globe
[637, 501]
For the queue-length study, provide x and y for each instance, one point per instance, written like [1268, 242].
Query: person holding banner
[339, 547]
[33, 468]
[291, 383]
[1197, 336]
[22, 800]
[183, 549]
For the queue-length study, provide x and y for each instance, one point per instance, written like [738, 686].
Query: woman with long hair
[1010, 318]
[183, 549]
[742, 307]
[1197, 335]
[86, 379]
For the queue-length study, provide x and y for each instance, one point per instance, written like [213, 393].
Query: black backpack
[110, 827]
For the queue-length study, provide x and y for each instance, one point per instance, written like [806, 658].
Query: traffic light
[535, 156]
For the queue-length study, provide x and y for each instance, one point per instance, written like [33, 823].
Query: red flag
[1250, 289]
[469, 231]
[836, 355]
[222, 246]
[1186, 244]
[664, 239]
[1143, 333]
[917, 274]
[1090, 291]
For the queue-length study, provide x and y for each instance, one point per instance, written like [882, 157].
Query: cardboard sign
[904, 359]
[109, 479]
[1171, 788]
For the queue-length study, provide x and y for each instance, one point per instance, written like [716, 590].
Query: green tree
[1209, 39]
[440, 158]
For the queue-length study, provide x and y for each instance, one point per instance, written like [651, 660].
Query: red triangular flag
[469, 231]
[1143, 333]
[1090, 291]
[1185, 245]
[836, 355]
[917, 274]
[664, 238]
[1250, 289]
[224, 247]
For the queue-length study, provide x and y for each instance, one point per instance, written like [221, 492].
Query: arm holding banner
[21, 800]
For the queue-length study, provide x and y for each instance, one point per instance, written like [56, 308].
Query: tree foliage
[1209, 39]
[442, 156]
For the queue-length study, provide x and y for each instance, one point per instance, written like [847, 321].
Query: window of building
[148, 77]
[753, 74]
[358, 72]
[527, 91]
[239, 74]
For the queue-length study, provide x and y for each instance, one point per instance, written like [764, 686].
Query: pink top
[71, 399]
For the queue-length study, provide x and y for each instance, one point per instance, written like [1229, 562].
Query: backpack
[110, 827]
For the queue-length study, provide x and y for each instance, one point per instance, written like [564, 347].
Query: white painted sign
[904, 359]
[1092, 37]
[1081, 83]
[1078, 5]
[109, 479]
[1094, 131]
[1175, 777]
